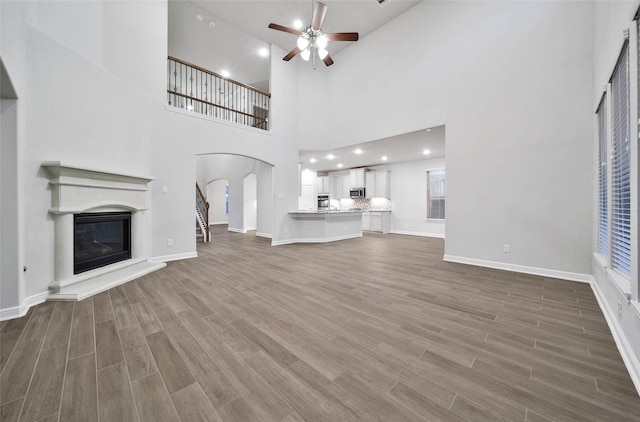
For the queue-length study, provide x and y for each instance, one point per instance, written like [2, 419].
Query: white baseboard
[20, 311]
[315, 240]
[215, 223]
[267, 235]
[233, 229]
[250, 229]
[564, 275]
[626, 351]
[410, 233]
[175, 257]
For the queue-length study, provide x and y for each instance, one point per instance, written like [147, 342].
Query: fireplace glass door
[101, 239]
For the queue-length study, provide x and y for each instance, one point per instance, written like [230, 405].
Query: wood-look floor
[371, 329]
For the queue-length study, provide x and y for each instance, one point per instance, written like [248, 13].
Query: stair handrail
[202, 212]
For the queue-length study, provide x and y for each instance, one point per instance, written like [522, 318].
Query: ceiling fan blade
[343, 36]
[291, 54]
[328, 60]
[284, 29]
[318, 16]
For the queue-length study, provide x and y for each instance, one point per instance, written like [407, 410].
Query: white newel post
[75, 190]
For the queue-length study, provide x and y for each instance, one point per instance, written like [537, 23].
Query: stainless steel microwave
[356, 193]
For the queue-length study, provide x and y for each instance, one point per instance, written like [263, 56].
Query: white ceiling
[253, 17]
[401, 148]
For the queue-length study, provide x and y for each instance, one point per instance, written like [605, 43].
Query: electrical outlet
[619, 310]
[169, 242]
[506, 248]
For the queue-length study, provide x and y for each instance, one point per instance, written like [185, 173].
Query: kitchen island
[326, 226]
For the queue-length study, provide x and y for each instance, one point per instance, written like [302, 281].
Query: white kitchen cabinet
[376, 221]
[356, 177]
[366, 221]
[377, 184]
[323, 184]
[346, 187]
[339, 187]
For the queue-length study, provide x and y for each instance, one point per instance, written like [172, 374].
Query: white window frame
[429, 218]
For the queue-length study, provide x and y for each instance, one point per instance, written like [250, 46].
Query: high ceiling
[362, 16]
[401, 148]
[253, 17]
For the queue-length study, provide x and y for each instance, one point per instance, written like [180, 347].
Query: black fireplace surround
[100, 239]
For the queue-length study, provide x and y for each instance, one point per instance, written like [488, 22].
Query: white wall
[409, 197]
[216, 196]
[516, 100]
[611, 18]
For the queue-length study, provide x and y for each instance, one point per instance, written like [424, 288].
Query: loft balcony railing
[202, 91]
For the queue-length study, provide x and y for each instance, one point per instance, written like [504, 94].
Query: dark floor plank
[108, 346]
[153, 401]
[115, 398]
[45, 390]
[174, 370]
[80, 391]
[140, 362]
[16, 376]
[82, 338]
[192, 405]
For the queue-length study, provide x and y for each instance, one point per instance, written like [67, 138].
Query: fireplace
[101, 229]
[100, 239]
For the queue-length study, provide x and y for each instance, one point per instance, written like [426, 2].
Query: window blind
[436, 194]
[621, 168]
[603, 199]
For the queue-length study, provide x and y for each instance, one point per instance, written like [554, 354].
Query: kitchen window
[436, 188]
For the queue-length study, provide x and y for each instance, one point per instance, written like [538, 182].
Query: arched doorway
[218, 198]
[250, 202]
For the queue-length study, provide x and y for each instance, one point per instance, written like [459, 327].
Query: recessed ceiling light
[426, 152]
[340, 165]
[384, 158]
[312, 160]
[212, 24]
[263, 52]
[429, 130]
[225, 73]
[330, 157]
[297, 24]
[358, 151]
[199, 17]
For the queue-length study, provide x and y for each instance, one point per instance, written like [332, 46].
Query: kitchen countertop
[316, 212]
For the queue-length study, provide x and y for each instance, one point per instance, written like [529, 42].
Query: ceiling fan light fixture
[322, 53]
[305, 55]
[303, 43]
[322, 41]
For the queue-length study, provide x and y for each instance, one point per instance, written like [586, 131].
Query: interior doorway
[250, 202]
[218, 198]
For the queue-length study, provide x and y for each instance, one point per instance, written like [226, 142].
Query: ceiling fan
[312, 39]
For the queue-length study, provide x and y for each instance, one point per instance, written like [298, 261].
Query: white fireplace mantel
[76, 189]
